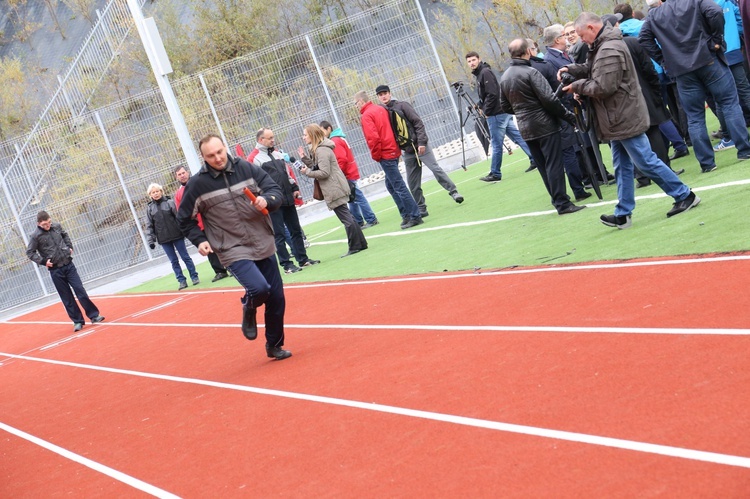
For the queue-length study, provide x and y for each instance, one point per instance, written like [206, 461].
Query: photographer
[526, 93]
[609, 78]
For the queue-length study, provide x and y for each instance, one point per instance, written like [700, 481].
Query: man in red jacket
[376, 126]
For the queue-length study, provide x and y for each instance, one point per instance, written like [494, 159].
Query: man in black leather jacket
[526, 93]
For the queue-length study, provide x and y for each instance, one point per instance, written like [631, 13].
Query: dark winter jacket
[527, 94]
[161, 221]
[275, 166]
[415, 123]
[649, 82]
[53, 244]
[687, 32]
[235, 228]
[488, 89]
[608, 77]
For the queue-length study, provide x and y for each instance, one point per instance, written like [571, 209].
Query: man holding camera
[414, 159]
[526, 93]
[498, 122]
[610, 80]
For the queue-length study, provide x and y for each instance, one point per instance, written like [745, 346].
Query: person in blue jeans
[610, 81]
[694, 55]
[162, 227]
[376, 126]
[50, 247]
[499, 124]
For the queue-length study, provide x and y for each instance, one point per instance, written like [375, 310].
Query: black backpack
[402, 131]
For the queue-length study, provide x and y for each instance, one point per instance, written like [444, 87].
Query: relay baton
[252, 198]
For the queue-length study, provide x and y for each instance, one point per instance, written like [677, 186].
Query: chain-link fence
[91, 172]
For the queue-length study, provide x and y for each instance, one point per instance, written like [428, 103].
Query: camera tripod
[472, 110]
[587, 127]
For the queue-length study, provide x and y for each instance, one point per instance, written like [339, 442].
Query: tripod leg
[587, 164]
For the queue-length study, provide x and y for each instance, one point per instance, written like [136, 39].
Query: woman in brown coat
[322, 166]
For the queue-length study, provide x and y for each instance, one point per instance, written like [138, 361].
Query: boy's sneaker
[724, 144]
[615, 221]
[97, 319]
[292, 269]
[689, 202]
[491, 178]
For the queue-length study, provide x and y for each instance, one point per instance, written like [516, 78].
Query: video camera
[457, 84]
[565, 80]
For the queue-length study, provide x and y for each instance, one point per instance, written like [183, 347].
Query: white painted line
[437, 327]
[573, 267]
[106, 470]
[664, 450]
[157, 307]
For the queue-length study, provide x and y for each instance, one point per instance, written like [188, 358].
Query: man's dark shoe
[531, 168]
[457, 197]
[196, 281]
[678, 172]
[689, 202]
[183, 285]
[77, 326]
[97, 319]
[615, 221]
[424, 214]
[491, 178]
[291, 269]
[310, 262]
[679, 154]
[708, 169]
[642, 182]
[404, 221]
[570, 209]
[219, 276]
[412, 222]
[583, 195]
[350, 253]
[249, 323]
[277, 353]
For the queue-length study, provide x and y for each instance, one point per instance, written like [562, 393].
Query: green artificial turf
[512, 223]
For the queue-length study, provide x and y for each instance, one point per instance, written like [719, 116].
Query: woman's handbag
[317, 193]
[352, 192]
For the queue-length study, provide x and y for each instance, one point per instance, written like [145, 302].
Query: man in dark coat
[527, 94]
[272, 162]
[50, 247]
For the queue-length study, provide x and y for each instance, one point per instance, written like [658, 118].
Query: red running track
[616, 380]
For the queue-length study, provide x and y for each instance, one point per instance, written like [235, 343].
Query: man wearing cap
[376, 127]
[414, 159]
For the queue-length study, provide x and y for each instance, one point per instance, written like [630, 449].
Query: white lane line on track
[158, 307]
[528, 214]
[464, 275]
[106, 470]
[664, 450]
[441, 327]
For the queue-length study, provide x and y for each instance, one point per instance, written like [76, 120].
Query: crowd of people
[641, 82]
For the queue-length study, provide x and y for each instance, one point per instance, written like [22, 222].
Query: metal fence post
[213, 109]
[323, 81]
[122, 183]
